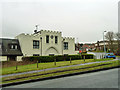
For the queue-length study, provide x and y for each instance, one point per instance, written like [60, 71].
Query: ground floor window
[35, 54]
[65, 45]
[51, 54]
[11, 58]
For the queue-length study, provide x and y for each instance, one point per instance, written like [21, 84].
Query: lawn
[31, 67]
[117, 56]
[60, 71]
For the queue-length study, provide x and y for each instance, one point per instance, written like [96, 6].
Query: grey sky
[82, 19]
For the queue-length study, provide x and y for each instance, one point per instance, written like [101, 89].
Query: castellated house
[45, 42]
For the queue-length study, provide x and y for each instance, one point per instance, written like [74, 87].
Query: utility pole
[104, 43]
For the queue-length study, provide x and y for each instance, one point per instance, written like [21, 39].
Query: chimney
[35, 31]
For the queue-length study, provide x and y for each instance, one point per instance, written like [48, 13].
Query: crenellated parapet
[49, 31]
[68, 38]
[30, 35]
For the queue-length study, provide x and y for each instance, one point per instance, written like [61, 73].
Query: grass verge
[32, 67]
[61, 71]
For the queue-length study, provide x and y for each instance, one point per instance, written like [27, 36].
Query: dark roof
[5, 51]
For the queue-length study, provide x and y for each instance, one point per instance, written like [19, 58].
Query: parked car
[110, 55]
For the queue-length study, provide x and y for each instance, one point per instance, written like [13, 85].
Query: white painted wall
[26, 43]
[19, 58]
[71, 46]
[3, 58]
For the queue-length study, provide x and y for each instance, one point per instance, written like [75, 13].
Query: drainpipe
[41, 45]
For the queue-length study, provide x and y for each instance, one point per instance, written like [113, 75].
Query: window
[56, 39]
[35, 54]
[47, 38]
[52, 37]
[65, 45]
[0, 46]
[35, 44]
[13, 46]
[16, 47]
[51, 54]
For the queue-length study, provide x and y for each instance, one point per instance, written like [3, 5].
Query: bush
[58, 58]
[87, 56]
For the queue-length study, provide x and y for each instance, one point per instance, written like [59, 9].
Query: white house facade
[45, 42]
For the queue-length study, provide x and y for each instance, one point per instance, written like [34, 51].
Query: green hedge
[58, 58]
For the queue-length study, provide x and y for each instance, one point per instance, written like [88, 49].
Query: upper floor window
[51, 36]
[0, 46]
[56, 39]
[13, 46]
[47, 38]
[35, 44]
[65, 45]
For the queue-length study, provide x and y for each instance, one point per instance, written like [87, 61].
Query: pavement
[101, 79]
[51, 69]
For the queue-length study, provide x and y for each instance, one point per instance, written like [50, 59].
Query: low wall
[19, 58]
[3, 58]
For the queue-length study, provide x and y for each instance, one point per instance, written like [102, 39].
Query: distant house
[84, 47]
[88, 46]
[78, 46]
[10, 50]
[100, 45]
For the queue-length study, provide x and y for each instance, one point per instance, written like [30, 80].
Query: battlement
[49, 31]
[68, 38]
[30, 35]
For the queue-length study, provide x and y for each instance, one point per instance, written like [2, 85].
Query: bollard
[102, 56]
[94, 57]
[84, 58]
[55, 61]
[37, 63]
[70, 60]
[64, 58]
[16, 66]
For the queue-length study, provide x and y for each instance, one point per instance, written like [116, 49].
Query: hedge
[57, 58]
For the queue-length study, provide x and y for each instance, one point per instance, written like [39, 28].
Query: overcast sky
[82, 19]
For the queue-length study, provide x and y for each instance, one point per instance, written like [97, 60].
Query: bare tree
[110, 37]
[117, 36]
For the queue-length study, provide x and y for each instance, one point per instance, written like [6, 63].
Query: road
[102, 79]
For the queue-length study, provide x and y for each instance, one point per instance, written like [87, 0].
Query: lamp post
[104, 43]
[41, 45]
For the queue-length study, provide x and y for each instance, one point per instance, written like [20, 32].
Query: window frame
[47, 38]
[56, 39]
[0, 45]
[36, 55]
[13, 46]
[65, 45]
[36, 44]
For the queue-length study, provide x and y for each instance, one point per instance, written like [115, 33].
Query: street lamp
[104, 43]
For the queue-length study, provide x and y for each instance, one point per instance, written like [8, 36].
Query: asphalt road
[102, 79]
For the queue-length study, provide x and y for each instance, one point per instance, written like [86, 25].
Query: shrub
[87, 56]
[57, 57]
